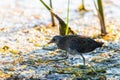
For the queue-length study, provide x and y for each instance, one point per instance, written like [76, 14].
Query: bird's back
[79, 43]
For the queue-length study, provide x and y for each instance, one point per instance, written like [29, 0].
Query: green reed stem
[68, 11]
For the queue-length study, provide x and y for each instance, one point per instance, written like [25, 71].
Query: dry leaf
[4, 75]
[37, 45]
[110, 37]
[12, 69]
[105, 55]
[98, 59]
[14, 51]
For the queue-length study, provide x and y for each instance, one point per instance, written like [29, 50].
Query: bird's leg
[83, 58]
[66, 56]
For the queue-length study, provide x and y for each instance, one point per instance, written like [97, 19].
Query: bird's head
[55, 39]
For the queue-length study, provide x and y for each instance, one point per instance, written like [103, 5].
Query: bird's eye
[53, 39]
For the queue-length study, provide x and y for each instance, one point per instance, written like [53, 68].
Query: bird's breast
[61, 46]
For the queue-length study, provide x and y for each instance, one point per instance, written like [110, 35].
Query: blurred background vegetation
[63, 27]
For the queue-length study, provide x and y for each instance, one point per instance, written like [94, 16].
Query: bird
[75, 44]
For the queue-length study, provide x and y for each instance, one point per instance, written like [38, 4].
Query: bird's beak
[49, 42]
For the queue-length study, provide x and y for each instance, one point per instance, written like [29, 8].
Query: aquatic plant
[67, 24]
[100, 11]
[62, 24]
[82, 6]
[52, 16]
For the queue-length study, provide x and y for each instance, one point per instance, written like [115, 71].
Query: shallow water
[18, 19]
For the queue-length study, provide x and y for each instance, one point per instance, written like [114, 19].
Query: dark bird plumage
[76, 44]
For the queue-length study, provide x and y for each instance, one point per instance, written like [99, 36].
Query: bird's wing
[81, 44]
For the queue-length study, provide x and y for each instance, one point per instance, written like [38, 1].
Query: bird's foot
[66, 57]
